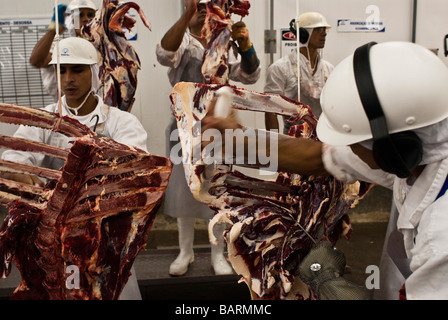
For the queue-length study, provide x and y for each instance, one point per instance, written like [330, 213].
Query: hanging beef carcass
[118, 61]
[273, 224]
[77, 237]
[218, 31]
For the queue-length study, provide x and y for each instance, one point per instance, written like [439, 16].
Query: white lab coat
[282, 78]
[185, 66]
[422, 222]
[121, 126]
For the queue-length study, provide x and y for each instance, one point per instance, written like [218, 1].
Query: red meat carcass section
[77, 237]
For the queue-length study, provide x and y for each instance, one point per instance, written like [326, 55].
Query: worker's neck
[197, 34]
[88, 106]
[310, 53]
[196, 30]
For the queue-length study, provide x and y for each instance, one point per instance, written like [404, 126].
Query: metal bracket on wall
[270, 41]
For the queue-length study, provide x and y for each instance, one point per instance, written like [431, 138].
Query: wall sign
[24, 22]
[349, 25]
[288, 42]
[20, 83]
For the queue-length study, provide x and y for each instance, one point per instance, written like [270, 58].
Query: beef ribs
[77, 237]
[273, 224]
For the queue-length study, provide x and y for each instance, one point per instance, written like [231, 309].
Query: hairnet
[434, 140]
[94, 68]
[95, 77]
[310, 32]
[95, 83]
[70, 25]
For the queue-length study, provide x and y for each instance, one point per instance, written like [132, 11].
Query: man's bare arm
[302, 156]
[41, 56]
[294, 155]
[271, 121]
[172, 39]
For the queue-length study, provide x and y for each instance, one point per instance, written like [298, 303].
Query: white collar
[88, 120]
[412, 201]
[194, 40]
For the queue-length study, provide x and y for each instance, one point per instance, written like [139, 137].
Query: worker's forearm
[41, 57]
[275, 153]
[271, 121]
[172, 40]
[262, 148]
[250, 63]
[302, 156]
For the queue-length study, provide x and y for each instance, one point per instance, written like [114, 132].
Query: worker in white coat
[182, 50]
[80, 12]
[79, 81]
[282, 75]
[375, 127]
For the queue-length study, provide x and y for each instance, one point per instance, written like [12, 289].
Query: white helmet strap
[75, 110]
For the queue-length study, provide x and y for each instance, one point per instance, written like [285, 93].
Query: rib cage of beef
[273, 224]
[90, 220]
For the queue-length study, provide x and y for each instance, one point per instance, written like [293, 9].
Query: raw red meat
[218, 31]
[91, 219]
[273, 224]
[118, 61]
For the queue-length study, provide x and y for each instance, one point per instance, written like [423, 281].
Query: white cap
[75, 50]
[81, 4]
[311, 20]
[411, 84]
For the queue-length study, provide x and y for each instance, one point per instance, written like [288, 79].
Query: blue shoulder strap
[444, 188]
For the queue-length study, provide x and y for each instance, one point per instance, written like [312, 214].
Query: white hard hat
[412, 88]
[311, 20]
[75, 50]
[80, 4]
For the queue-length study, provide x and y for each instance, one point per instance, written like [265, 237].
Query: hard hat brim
[73, 61]
[327, 134]
[314, 26]
[82, 5]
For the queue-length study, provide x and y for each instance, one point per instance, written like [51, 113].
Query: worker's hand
[61, 16]
[220, 124]
[240, 34]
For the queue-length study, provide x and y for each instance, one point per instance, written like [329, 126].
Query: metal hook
[96, 123]
[297, 223]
